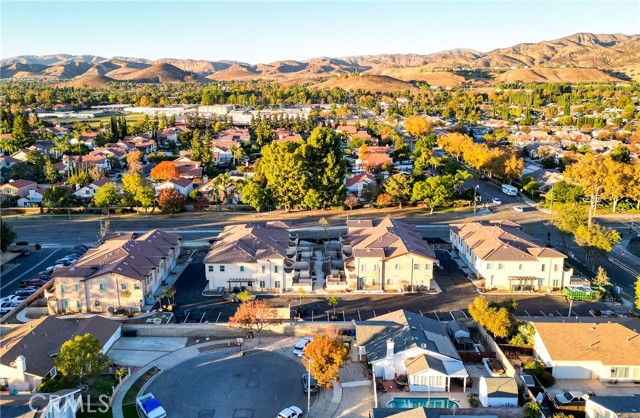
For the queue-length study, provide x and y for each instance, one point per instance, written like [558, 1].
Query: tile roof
[502, 241]
[390, 236]
[363, 177]
[128, 254]
[613, 344]
[407, 330]
[19, 184]
[187, 168]
[39, 339]
[248, 243]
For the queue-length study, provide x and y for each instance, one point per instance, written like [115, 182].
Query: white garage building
[498, 392]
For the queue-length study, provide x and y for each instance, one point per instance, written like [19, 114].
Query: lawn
[129, 411]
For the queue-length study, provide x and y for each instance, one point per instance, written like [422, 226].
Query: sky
[266, 31]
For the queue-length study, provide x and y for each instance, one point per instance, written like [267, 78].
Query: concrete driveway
[139, 351]
[258, 384]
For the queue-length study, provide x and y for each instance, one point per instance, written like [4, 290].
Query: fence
[474, 356]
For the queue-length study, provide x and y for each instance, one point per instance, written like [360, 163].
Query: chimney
[21, 365]
[390, 347]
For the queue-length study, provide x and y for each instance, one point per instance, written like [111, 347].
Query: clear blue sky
[265, 31]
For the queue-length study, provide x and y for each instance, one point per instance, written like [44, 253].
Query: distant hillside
[381, 83]
[582, 57]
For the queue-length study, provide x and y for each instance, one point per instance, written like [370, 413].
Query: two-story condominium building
[386, 255]
[124, 272]
[507, 258]
[249, 256]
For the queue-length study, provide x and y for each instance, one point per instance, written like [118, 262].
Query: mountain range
[582, 57]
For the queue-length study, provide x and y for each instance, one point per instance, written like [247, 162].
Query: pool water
[443, 403]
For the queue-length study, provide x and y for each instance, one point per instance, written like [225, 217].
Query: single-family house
[33, 199]
[6, 161]
[28, 350]
[222, 150]
[386, 255]
[127, 261]
[372, 158]
[406, 343]
[608, 351]
[613, 406]
[287, 135]
[505, 257]
[347, 129]
[17, 188]
[58, 131]
[248, 255]
[87, 192]
[21, 154]
[188, 168]
[143, 143]
[356, 183]
[498, 392]
[182, 185]
[235, 134]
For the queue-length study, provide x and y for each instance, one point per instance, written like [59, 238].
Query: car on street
[496, 201]
[518, 208]
[312, 388]
[568, 397]
[290, 412]
[23, 252]
[298, 350]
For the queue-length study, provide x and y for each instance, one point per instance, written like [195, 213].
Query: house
[58, 131]
[7, 161]
[222, 150]
[142, 143]
[45, 147]
[61, 404]
[28, 349]
[590, 350]
[406, 343]
[87, 192]
[498, 392]
[386, 255]
[182, 185]
[347, 129]
[233, 193]
[187, 168]
[499, 253]
[127, 261]
[21, 154]
[372, 158]
[33, 199]
[613, 406]
[356, 183]
[235, 134]
[287, 135]
[171, 133]
[248, 255]
[17, 188]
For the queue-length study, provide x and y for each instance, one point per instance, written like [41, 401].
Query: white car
[518, 208]
[298, 350]
[496, 201]
[568, 397]
[290, 412]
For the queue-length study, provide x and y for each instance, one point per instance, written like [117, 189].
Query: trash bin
[249, 334]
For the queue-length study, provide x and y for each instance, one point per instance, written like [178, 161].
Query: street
[28, 267]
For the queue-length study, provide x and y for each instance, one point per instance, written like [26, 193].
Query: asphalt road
[258, 384]
[28, 267]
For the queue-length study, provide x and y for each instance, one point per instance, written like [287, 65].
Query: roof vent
[423, 345]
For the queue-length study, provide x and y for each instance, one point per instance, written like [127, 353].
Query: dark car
[20, 251]
[33, 282]
[313, 388]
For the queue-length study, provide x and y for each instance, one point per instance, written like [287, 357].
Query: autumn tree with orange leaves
[254, 315]
[327, 354]
[164, 171]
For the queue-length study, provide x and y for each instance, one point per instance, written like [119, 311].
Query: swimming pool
[443, 403]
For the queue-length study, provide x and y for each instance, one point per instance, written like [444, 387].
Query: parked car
[496, 201]
[28, 291]
[23, 252]
[298, 350]
[49, 269]
[6, 307]
[150, 406]
[568, 397]
[313, 387]
[34, 282]
[518, 208]
[290, 412]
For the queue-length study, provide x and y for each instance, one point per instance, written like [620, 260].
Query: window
[65, 304]
[520, 267]
[555, 267]
[136, 286]
[96, 303]
[101, 287]
[543, 267]
[241, 268]
[78, 304]
[620, 372]
[210, 269]
[275, 269]
[62, 288]
[427, 267]
[489, 265]
[389, 281]
[500, 266]
[416, 266]
[123, 286]
[363, 267]
[261, 283]
[397, 267]
[556, 282]
[264, 269]
[375, 267]
[374, 281]
[221, 268]
[277, 283]
[76, 288]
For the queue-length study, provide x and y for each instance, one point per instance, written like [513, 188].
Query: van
[509, 190]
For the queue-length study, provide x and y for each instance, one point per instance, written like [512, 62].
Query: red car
[34, 282]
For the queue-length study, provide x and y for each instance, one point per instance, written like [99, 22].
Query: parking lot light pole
[308, 383]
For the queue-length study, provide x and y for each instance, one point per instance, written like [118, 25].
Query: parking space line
[559, 313]
[421, 313]
[359, 317]
[344, 318]
[219, 313]
[374, 313]
[543, 314]
[527, 313]
[437, 317]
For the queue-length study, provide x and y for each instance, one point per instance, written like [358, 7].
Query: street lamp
[475, 200]
[308, 383]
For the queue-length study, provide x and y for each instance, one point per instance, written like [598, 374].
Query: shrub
[531, 410]
[544, 377]
[473, 399]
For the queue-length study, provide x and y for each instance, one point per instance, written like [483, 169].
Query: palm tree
[221, 183]
[169, 292]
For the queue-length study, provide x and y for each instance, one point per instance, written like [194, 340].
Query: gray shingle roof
[623, 406]
[501, 387]
[248, 243]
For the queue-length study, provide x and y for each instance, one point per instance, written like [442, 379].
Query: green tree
[146, 196]
[196, 146]
[526, 333]
[50, 172]
[254, 193]
[399, 187]
[282, 165]
[325, 166]
[81, 357]
[7, 235]
[106, 196]
[333, 302]
[130, 185]
[57, 197]
[169, 293]
[567, 218]
[21, 132]
[595, 239]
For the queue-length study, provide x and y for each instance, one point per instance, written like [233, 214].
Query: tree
[81, 357]
[244, 296]
[326, 355]
[589, 173]
[455, 143]
[164, 171]
[384, 200]
[7, 235]
[621, 154]
[171, 201]
[417, 126]
[333, 302]
[370, 192]
[495, 318]
[637, 303]
[169, 293]
[325, 166]
[567, 218]
[146, 196]
[254, 315]
[531, 410]
[106, 196]
[601, 278]
[563, 192]
[57, 197]
[254, 193]
[282, 167]
[352, 201]
[525, 335]
[399, 188]
[50, 172]
[595, 239]
[130, 184]
[133, 160]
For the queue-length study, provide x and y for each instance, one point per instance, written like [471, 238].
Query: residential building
[249, 255]
[182, 185]
[127, 261]
[222, 150]
[375, 157]
[499, 253]
[498, 392]
[235, 134]
[33, 199]
[7, 161]
[613, 406]
[386, 255]
[287, 135]
[58, 131]
[188, 168]
[28, 350]
[17, 188]
[356, 183]
[590, 350]
[142, 143]
[87, 192]
[406, 343]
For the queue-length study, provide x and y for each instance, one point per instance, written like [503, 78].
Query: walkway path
[318, 287]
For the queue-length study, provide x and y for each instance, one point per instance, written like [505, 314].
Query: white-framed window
[262, 283]
[136, 286]
[489, 266]
[416, 266]
[101, 287]
[65, 304]
[62, 288]
[123, 286]
[543, 267]
[221, 268]
[555, 283]
[96, 303]
[363, 267]
[427, 267]
[389, 281]
[397, 267]
[263, 268]
[375, 267]
[210, 269]
[520, 267]
[78, 304]
[76, 288]
[555, 267]
[500, 266]
[275, 269]
[277, 284]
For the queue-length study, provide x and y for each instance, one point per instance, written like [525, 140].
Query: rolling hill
[582, 57]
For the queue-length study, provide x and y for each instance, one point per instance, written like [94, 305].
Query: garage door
[571, 372]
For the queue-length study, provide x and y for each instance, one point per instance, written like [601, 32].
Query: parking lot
[457, 293]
